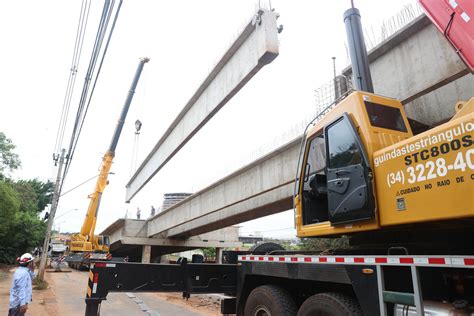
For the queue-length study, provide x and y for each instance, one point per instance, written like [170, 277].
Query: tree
[209, 253]
[8, 159]
[323, 244]
[34, 195]
[20, 228]
[20, 204]
[9, 206]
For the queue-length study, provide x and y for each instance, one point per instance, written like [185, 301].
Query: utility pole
[54, 206]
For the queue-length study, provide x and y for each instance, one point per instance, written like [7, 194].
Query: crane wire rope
[133, 164]
[80, 33]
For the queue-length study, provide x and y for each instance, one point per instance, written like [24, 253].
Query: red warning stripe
[451, 261]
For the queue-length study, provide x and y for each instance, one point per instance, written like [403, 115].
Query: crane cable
[76, 56]
[133, 165]
[83, 106]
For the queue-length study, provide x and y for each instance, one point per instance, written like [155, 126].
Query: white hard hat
[26, 258]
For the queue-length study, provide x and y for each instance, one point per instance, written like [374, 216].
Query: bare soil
[50, 301]
[203, 304]
[39, 306]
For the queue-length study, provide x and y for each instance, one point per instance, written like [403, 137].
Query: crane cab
[336, 190]
[362, 169]
[98, 243]
[102, 243]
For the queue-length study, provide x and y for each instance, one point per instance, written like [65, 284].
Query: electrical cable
[85, 96]
[98, 72]
[87, 79]
[82, 183]
[81, 28]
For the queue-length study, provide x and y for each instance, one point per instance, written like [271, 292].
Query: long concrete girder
[262, 188]
[256, 46]
[126, 233]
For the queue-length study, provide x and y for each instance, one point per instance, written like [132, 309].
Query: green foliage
[285, 243]
[8, 159]
[28, 232]
[9, 207]
[20, 228]
[34, 195]
[209, 252]
[323, 244]
[20, 204]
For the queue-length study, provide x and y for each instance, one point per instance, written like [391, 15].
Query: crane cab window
[343, 149]
[315, 208]
[336, 186]
[385, 116]
[103, 240]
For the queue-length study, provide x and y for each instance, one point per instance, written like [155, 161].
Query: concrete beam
[418, 66]
[146, 254]
[131, 233]
[261, 188]
[187, 243]
[219, 255]
[254, 48]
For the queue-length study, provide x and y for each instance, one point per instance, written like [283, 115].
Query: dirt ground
[39, 305]
[60, 298]
[206, 305]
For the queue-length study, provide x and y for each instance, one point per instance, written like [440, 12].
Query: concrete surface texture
[256, 46]
[129, 237]
[262, 188]
[418, 66]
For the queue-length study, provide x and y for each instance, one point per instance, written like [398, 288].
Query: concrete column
[146, 254]
[219, 255]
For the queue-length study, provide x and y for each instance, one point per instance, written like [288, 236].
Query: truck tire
[269, 300]
[331, 304]
[266, 247]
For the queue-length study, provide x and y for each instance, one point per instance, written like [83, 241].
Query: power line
[83, 106]
[82, 183]
[81, 29]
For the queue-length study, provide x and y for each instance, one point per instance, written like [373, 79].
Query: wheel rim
[261, 310]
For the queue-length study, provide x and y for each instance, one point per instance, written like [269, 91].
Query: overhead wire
[97, 74]
[82, 183]
[80, 33]
[88, 77]
[85, 96]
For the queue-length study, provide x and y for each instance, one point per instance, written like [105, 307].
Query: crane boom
[86, 240]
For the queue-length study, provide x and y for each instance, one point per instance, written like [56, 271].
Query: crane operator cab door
[103, 242]
[348, 178]
[337, 186]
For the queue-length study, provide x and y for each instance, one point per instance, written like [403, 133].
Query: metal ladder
[413, 299]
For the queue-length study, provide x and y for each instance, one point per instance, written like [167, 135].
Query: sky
[184, 40]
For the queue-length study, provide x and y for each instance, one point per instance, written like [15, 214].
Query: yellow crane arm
[88, 227]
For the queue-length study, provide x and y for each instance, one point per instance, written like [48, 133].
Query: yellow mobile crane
[85, 245]
[363, 170]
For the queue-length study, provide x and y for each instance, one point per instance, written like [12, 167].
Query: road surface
[66, 293]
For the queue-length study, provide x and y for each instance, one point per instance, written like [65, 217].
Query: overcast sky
[184, 39]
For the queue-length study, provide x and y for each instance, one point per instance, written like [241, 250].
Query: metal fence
[331, 92]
